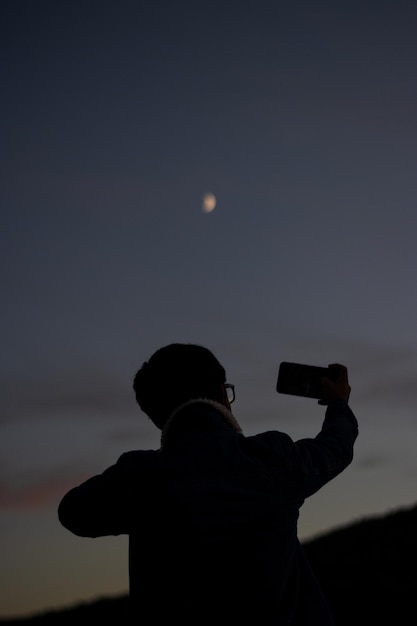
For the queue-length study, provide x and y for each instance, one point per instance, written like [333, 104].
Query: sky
[117, 117]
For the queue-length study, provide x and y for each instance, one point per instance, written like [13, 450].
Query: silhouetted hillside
[367, 570]
[103, 611]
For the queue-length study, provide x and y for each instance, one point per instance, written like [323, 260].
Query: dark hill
[367, 570]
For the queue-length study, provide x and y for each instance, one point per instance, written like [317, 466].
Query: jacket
[212, 517]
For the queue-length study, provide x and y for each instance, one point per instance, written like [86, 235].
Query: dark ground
[367, 570]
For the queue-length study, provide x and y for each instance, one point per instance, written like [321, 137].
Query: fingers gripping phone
[298, 379]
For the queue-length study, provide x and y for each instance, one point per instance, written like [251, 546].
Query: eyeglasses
[230, 390]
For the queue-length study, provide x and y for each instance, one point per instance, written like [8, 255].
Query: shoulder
[138, 459]
[270, 445]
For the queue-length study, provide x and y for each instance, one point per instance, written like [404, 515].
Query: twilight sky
[116, 118]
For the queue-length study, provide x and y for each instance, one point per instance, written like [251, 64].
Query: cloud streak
[75, 391]
[44, 492]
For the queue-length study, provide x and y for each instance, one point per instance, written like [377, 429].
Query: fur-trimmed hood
[220, 408]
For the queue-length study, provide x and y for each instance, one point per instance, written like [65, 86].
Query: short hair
[175, 374]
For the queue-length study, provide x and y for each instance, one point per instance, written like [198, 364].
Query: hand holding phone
[337, 385]
[310, 381]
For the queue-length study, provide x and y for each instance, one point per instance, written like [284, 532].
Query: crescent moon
[209, 202]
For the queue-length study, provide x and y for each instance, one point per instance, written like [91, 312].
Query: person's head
[175, 374]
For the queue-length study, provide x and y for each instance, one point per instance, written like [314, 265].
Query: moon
[209, 203]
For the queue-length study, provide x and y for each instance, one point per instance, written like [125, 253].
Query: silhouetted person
[212, 514]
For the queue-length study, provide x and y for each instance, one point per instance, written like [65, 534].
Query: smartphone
[298, 379]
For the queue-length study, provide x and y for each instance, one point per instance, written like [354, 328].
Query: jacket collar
[220, 408]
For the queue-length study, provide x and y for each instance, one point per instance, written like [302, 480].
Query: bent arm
[106, 504]
[95, 508]
[331, 451]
